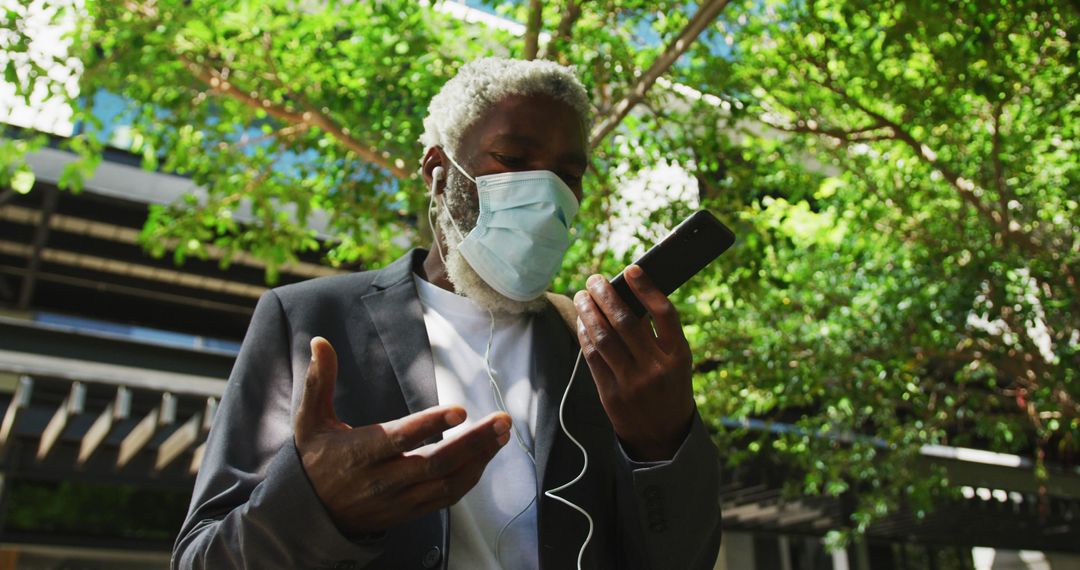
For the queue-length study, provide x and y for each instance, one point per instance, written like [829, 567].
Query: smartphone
[692, 245]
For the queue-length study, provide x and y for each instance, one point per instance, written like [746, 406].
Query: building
[111, 364]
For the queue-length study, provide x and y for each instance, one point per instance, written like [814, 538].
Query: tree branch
[705, 15]
[965, 188]
[309, 117]
[282, 135]
[995, 159]
[532, 28]
[853, 135]
[1010, 231]
[564, 31]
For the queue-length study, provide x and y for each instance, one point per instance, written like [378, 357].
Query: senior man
[409, 417]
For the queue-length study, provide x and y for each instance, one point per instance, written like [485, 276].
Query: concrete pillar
[840, 560]
[785, 552]
[736, 552]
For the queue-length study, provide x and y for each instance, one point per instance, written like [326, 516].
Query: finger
[462, 474]
[317, 402]
[602, 336]
[668, 328]
[632, 329]
[435, 494]
[479, 442]
[405, 434]
[436, 461]
[601, 372]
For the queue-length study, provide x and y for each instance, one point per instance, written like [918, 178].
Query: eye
[571, 180]
[509, 160]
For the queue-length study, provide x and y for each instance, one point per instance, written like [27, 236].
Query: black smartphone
[692, 245]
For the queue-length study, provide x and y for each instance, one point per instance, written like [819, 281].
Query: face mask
[522, 231]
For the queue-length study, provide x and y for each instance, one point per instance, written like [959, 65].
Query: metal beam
[73, 404]
[119, 409]
[1009, 478]
[168, 408]
[41, 235]
[211, 411]
[761, 512]
[208, 420]
[798, 516]
[196, 458]
[137, 438]
[95, 435]
[141, 434]
[77, 370]
[98, 285]
[128, 235]
[19, 402]
[748, 511]
[136, 271]
[179, 441]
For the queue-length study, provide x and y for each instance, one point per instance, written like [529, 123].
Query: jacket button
[432, 557]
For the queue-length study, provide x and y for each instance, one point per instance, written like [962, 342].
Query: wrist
[655, 446]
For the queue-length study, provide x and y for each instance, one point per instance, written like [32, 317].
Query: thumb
[316, 409]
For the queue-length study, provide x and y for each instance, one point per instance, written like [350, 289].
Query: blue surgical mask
[521, 232]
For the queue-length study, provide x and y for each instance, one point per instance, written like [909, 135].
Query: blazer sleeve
[253, 505]
[671, 510]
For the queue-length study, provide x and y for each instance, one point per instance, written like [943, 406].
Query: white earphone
[436, 174]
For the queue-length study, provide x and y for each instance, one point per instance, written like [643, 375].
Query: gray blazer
[253, 506]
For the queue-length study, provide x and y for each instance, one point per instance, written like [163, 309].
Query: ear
[434, 158]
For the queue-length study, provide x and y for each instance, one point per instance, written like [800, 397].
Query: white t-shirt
[458, 330]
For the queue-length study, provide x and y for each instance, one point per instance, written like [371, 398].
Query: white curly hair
[484, 82]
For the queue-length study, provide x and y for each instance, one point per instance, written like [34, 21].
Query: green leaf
[23, 180]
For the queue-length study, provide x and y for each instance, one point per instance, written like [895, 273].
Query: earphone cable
[584, 467]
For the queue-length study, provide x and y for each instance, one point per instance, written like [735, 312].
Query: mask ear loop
[458, 166]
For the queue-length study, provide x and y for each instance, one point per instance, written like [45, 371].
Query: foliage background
[902, 176]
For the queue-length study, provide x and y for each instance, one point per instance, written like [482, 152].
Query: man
[331, 449]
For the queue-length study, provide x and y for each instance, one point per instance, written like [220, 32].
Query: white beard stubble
[467, 282]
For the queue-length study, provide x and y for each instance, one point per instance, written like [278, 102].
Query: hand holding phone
[643, 370]
[691, 246]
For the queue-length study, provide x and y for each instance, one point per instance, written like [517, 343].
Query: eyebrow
[577, 159]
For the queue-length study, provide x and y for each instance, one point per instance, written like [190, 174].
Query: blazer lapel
[399, 319]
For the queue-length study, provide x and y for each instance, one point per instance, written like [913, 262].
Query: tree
[902, 177]
[925, 291]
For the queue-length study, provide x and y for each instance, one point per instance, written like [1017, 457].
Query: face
[521, 133]
[518, 134]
